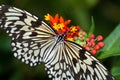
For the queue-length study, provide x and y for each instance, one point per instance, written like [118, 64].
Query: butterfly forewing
[28, 33]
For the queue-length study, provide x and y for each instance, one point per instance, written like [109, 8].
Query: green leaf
[112, 44]
[116, 72]
[92, 27]
[109, 53]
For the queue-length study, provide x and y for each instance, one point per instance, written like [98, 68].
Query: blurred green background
[106, 15]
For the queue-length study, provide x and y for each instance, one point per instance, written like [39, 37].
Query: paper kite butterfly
[33, 42]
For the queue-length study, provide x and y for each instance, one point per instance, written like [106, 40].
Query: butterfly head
[61, 37]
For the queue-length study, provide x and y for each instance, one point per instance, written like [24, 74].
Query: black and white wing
[29, 34]
[72, 62]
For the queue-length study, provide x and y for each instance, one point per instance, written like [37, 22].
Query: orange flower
[74, 29]
[58, 23]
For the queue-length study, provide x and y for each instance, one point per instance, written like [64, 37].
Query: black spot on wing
[74, 61]
[35, 57]
[79, 76]
[82, 54]
[62, 61]
[34, 34]
[18, 27]
[8, 28]
[22, 32]
[22, 51]
[81, 71]
[64, 78]
[82, 78]
[69, 77]
[88, 71]
[23, 16]
[28, 55]
[58, 76]
[36, 23]
[94, 63]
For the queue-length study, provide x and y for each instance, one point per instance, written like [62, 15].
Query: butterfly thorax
[60, 37]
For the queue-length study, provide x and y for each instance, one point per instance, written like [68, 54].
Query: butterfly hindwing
[72, 62]
[29, 33]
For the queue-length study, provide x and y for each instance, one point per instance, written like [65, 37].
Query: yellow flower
[47, 17]
[58, 26]
[73, 29]
[55, 26]
[61, 26]
[70, 39]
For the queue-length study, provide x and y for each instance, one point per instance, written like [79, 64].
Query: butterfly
[34, 41]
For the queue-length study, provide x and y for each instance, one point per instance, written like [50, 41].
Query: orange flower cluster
[61, 26]
[75, 34]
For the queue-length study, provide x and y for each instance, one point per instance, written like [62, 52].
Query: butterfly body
[33, 42]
